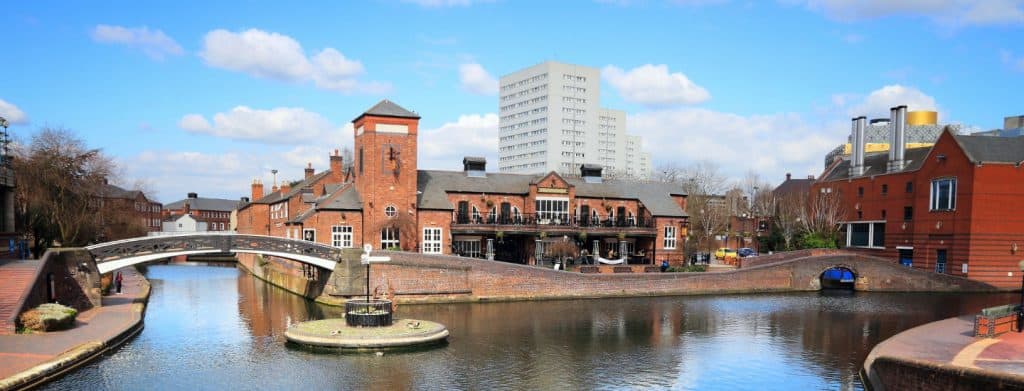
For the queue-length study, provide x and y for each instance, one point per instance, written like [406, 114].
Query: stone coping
[334, 333]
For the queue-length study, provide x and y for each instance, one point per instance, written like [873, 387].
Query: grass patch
[49, 317]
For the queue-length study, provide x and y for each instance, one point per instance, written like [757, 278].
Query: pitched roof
[387, 108]
[876, 164]
[111, 191]
[348, 199]
[276, 196]
[793, 186]
[200, 203]
[434, 185]
[987, 149]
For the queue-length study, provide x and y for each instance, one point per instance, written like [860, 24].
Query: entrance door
[463, 214]
[906, 257]
[584, 216]
[940, 261]
[506, 211]
[620, 216]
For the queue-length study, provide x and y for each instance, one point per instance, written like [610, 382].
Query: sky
[205, 97]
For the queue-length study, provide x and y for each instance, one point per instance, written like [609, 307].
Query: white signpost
[366, 259]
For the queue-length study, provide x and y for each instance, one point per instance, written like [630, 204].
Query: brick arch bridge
[113, 255]
[443, 278]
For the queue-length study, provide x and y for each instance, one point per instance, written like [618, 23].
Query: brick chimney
[337, 176]
[788, 175]
[309, 170]
[285, 188]
[257, 189]
[188, 209]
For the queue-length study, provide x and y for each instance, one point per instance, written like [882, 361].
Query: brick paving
[16, 277]
[21, 352]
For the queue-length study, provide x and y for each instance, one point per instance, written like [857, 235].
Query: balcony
[531, 223]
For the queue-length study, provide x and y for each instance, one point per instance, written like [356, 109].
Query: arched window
[476, 214]
[492, 215]
[594, 218]
[516, 217]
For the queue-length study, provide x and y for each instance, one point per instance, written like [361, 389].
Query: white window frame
[551, 208]
[341, 236]
[933, 199]
[390, 237]
[390, 211]
[432, 242]
[670, 238]
[871, 233]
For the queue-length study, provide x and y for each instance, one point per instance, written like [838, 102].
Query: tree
[788, 214]
[59, 180]
[821, 217]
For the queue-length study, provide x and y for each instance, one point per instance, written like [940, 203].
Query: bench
[652, 269]
[994, 321]
[622, 269]
[590, 269]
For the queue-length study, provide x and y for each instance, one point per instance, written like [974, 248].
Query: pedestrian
[117, 282]
[664, 265]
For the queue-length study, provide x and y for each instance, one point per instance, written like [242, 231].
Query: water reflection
[216, 328]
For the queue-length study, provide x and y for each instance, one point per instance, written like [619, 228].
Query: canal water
[217, 328]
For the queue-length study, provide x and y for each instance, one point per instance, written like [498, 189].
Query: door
[506, 211]
[940, 261]
[584, 216]
[906, 257]
[620, 216]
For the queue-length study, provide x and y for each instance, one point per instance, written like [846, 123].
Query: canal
[217, 328]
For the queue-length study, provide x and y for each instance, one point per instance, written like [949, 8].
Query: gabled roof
[215, 204]
[111, 191]
[793, 186]
[434, 185]
[387, 108]
[346, 199]
[987, 149]
[877, 163]
[276, 196]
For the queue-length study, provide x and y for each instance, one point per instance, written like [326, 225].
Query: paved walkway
[951, 342]
[17, 277]
[97, 326]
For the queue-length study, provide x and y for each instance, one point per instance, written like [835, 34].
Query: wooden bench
[994, 321]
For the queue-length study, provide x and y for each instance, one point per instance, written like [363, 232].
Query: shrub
[49, 317]
[688, 269]
[812, 240]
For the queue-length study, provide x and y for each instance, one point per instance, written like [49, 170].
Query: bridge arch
[117, 254]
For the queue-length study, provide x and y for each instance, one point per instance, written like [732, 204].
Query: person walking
[117, 282]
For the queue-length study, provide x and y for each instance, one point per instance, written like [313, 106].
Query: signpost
[366, 259]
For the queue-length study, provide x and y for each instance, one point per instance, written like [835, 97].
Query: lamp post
[4, 140]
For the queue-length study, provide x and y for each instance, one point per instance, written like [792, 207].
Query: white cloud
[878, 102]
[172, 174]
[475, 79]
[771, 144]
[154, 43]
[955, 12]
[471, 135]
[276, 56]
[12, 113]
[195, 123]
[653, 85]
[281, 125]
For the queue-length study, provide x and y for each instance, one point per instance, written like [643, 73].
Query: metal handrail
[551, 220]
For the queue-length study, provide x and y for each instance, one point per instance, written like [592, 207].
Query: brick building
[125, 211]
[950, 208]
[214, 212]
[384, 199]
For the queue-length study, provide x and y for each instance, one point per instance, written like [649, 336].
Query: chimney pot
[309, 170]
[788, 175]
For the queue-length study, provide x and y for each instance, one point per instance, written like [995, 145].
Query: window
[883, 214]
[943, 195]
[476, 214]
[885, 189]
[860, 191]
[341, 236]
[553, 209]
[670, 237]
[309, 235]
[389, 238]
[908, 213]
[940, 261]
[390, 211]
[910, 187]
[865, 235]
[467, 247]
[432, 240]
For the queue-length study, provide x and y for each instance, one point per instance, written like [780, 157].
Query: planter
[372, 313]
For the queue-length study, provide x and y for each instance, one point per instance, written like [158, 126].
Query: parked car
[746, 252]
[724, 252]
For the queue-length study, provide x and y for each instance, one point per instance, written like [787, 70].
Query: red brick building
[215, 212]
[384, 199]
[125, 211]
[951, 208]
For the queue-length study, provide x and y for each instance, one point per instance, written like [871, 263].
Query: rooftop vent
[591, 173]
[475, 166]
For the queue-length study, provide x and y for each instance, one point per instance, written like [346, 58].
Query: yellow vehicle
[724, 252]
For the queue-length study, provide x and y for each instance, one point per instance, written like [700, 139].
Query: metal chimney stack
[857, 156]
[898, 139]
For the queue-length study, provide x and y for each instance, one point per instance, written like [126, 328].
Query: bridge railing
[209, 242]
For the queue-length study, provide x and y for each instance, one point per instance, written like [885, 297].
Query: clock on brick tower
[385, 174]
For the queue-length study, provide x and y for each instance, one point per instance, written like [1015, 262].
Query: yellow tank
[918, 118]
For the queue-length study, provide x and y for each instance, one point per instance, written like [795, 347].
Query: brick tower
[385, 174]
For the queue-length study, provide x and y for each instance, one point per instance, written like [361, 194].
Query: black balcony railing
[553, 220]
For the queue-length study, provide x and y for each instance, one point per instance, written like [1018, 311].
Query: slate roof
[111, 191]
[876, 163]
[276, 196]
[200, 203]
[793, 186]
[434, 185]
[387, 108]
[987, 149]
[349, 199]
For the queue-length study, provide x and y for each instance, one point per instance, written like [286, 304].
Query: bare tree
[59, 180]
[704, 178]
[788, 216]
[822, 215]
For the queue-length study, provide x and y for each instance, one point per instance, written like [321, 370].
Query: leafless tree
[822, 215]
[59, 179]
[788, 215]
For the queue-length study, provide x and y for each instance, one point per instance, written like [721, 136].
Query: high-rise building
[551, 120]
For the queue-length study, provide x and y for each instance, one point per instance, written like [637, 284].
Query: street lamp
[4, 140]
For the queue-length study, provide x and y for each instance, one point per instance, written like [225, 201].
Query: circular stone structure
[335, 333]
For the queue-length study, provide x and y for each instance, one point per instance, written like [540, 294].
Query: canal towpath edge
[29, 360]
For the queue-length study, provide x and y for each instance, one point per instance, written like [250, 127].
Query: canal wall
[285, 274]
[64, 275]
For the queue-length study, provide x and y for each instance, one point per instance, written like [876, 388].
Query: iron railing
[553, 220]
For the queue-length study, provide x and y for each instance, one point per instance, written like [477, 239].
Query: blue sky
[205, 97]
